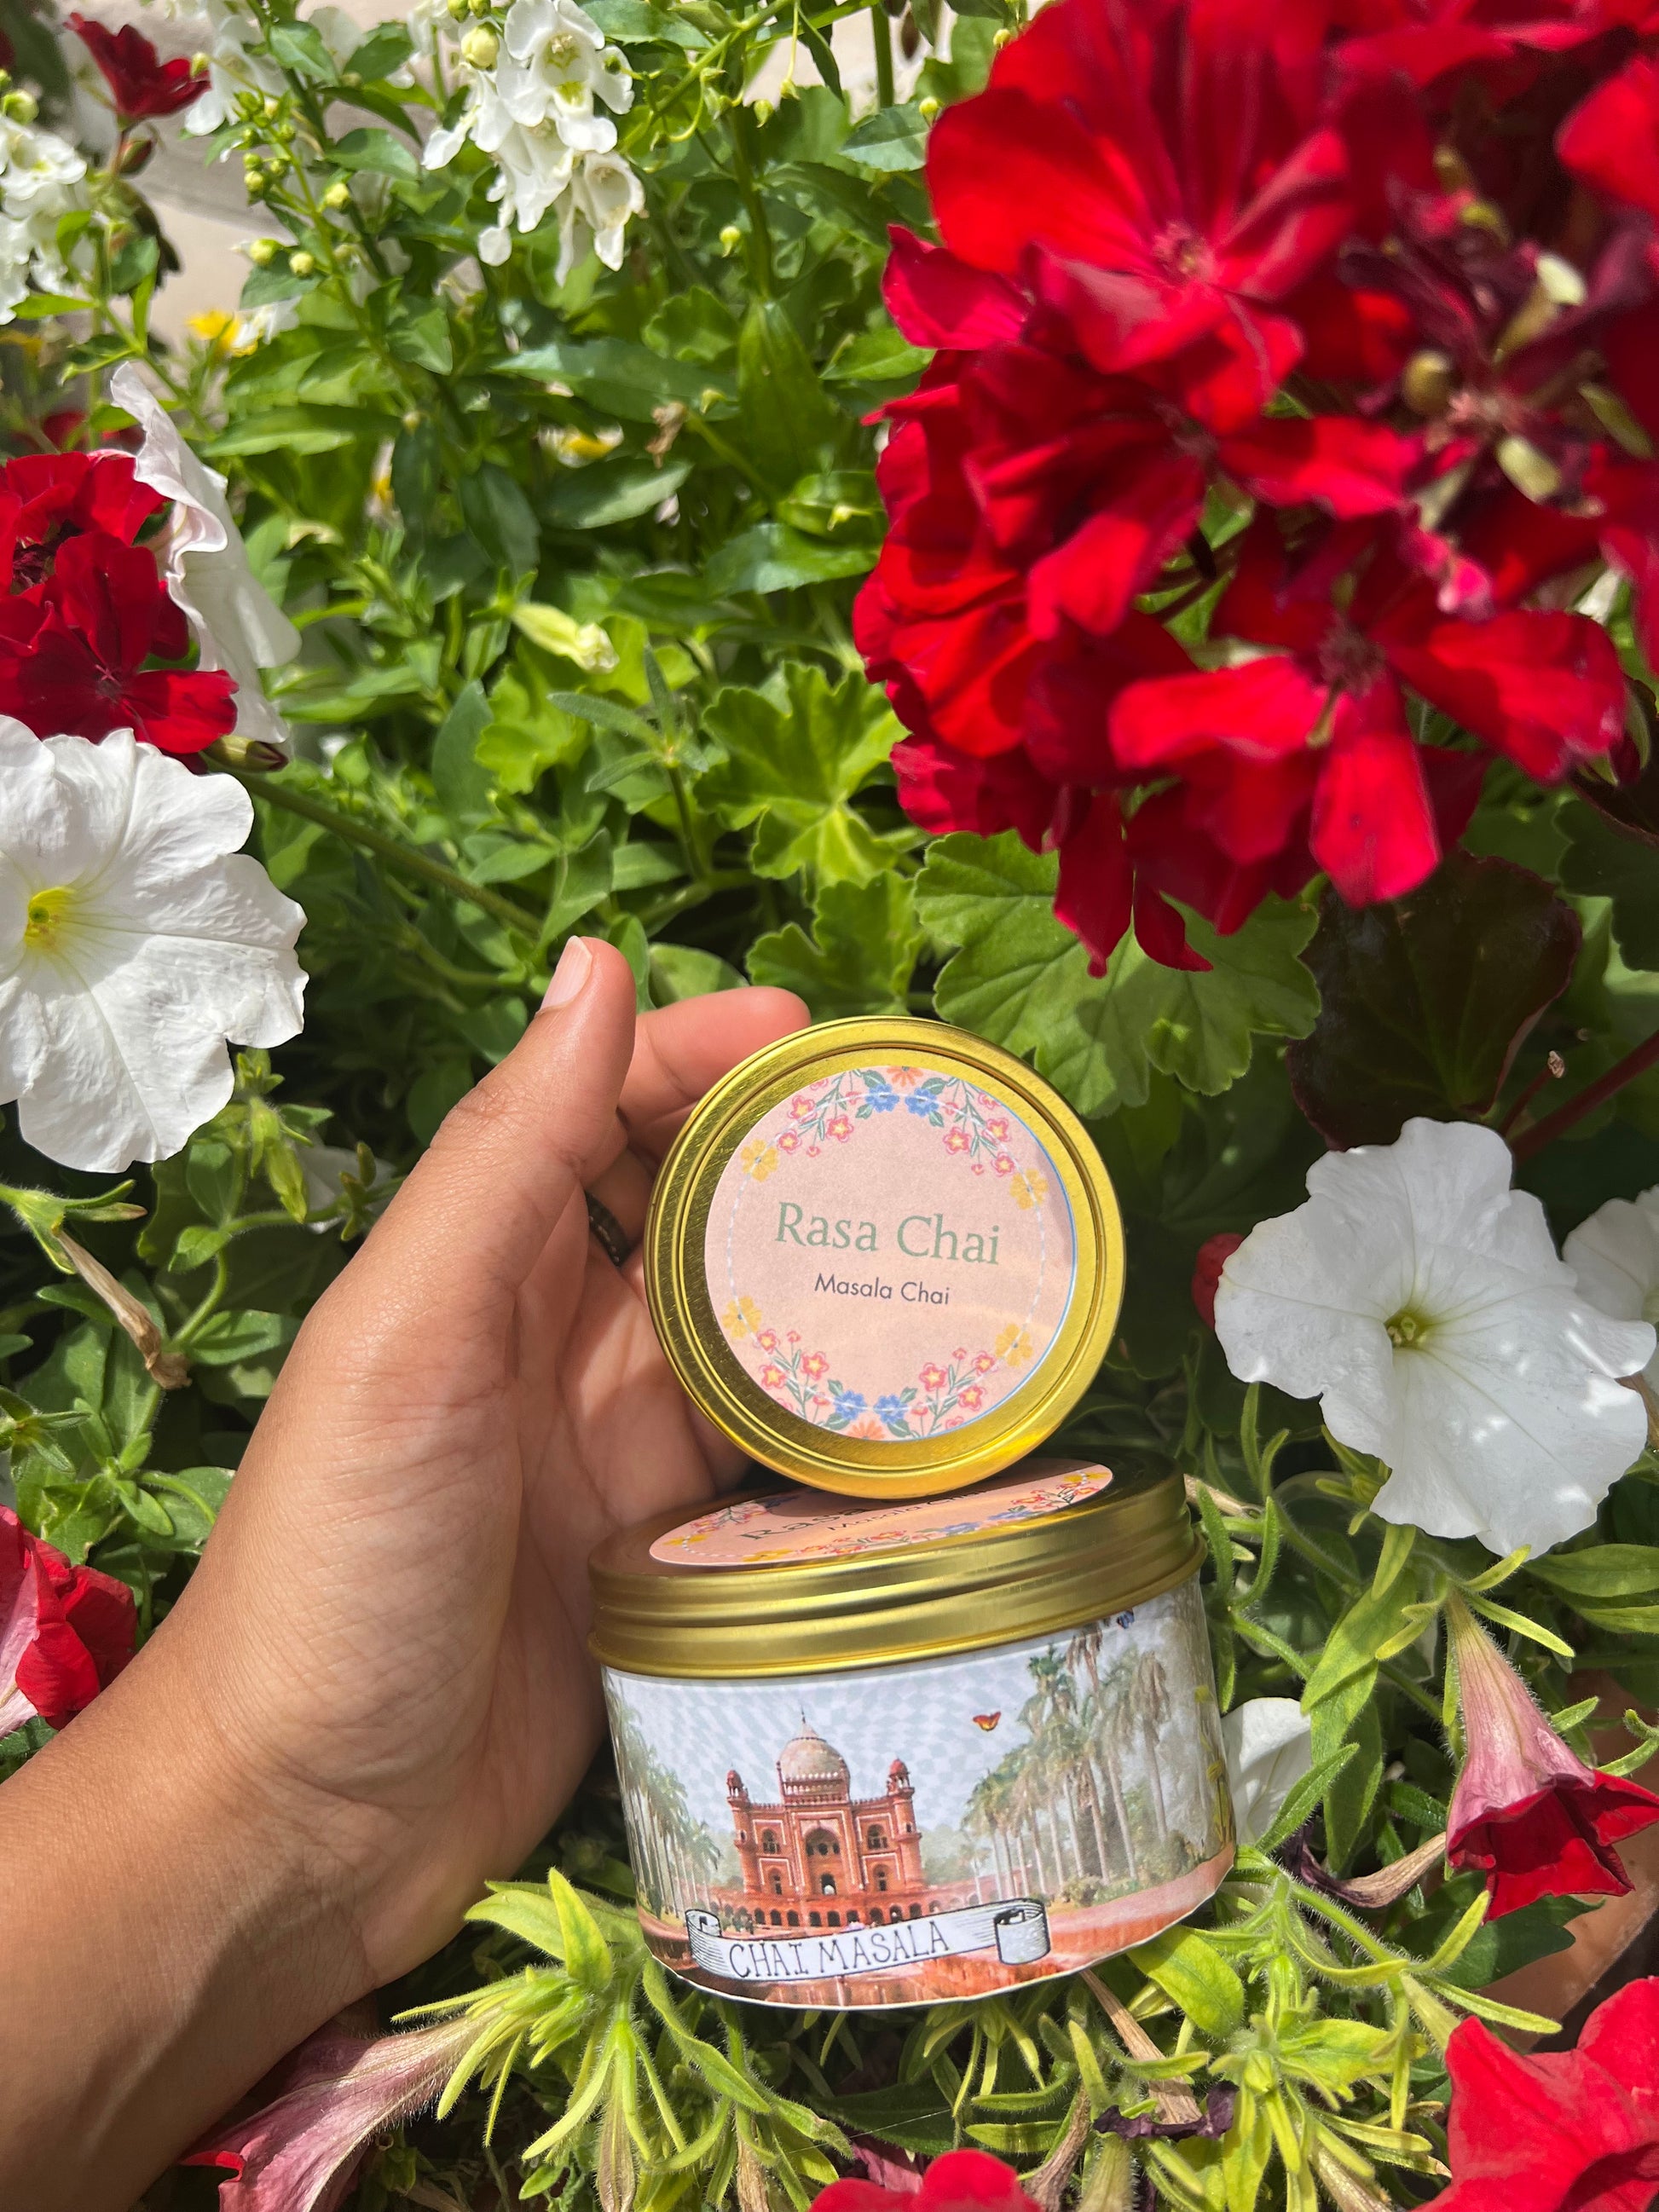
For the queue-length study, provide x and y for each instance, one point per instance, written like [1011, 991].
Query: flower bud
[1004, 37]
[351, 79]
[763, 111]
[928, 109]
[730, 239]
[480, 47]
[1428, 381]
[302, 264]
[338, 194]
[21, 107]
[272, 105]
[253, 179]
[413, 419]
[458, 9]
[262, 251]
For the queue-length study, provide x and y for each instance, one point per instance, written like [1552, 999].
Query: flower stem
[403, 858]
[883, 37]
[1634, 1063]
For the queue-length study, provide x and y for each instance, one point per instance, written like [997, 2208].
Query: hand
[388, 1627]
[375, 1692]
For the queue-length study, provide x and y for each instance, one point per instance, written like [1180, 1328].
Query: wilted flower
[299, 2153]
[1558, 2130]
[238, 627]
[64, 1631]
[134, 940]
[1527, 1812]
[1421, 1299]
[1616, 1257]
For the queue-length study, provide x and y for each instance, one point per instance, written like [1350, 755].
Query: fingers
[508, 1161]
[678, 1052]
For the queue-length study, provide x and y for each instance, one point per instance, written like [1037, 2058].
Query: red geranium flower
[48, 498]
[1159, 175]
[1527, 1812]
[960, 2181]
[72, 654]
[1213, 1255]
[1563, 2131]
[1322, 723]
[65, 1631]
[141, 84]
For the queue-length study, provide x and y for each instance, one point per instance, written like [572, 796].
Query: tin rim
[1000, 1584]
[676, 1286]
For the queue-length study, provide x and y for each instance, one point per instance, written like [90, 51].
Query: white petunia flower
[238, 627]
[1268, 1744]
[1616, 1257]
[134, 939]
[40, 179]
[1421, 1299]
[604, 194]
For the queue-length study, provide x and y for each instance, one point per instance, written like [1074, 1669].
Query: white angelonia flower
[231, 69]
[1421, 1299]
[557, 61]
[1616, 1257]
[604, 194]
[1268, 1743]
[134, 939]
[237, 625]
[40, 179]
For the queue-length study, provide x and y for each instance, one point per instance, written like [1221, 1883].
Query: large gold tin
[994, 1585]
[692, 1335]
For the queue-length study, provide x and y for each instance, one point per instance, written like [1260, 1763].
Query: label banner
[1016, 1929]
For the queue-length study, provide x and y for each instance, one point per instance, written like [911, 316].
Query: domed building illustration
[819, 1857]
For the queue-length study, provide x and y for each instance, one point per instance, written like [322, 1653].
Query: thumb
[476, 1214]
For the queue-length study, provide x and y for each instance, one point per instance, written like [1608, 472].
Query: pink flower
[795, 1336]
[789, 1141]
[299, 2153]
[996, 1131]
[771, 1375]
[814, 1365]
[972, 1397]
[1004, 1164]
[767, 1339]
[961, 2181]
[839, 1127]
[65, 1631]
[800, 1107]
[955, 1141]
[984, 1362]
[934, 1378]
[1527, 1812]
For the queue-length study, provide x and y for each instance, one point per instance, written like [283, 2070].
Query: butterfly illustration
[987, 1721]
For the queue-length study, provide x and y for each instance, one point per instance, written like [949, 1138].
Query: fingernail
[575, 966]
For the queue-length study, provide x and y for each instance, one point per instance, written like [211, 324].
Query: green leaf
[625, 379]
[462, 782]
[686, 971]
[418, 330]
[230, 1337]
[796, 752]
[379, 151]
[864, 944]
[1022, 979]
[1602, 1572]
[298, 431]
[891, 138]
[786, 422]
[1427, 999]
[387, 48]
[298, 47]
[772, 557]
[1186, 1965]
[501, 518]
[612, 491]
[1608, 858]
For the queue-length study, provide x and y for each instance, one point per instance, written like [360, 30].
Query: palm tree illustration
[1149, 1710]
[1099, 1717]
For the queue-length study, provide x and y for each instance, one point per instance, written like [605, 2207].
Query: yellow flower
[1014, 1344]
[221, 331]
[759, 1158]
[1029, 1190]
[741, 1318]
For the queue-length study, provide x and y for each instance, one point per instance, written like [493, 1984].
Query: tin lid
[797, 1583]
[884, 1257]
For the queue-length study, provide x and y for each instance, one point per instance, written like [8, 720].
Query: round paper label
[811, 1524]
[890, 1253]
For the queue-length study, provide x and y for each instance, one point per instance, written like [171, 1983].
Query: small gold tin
[884, 1257]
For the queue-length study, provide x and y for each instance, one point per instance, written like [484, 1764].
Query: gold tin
[889, 1755]
[884, 1257]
